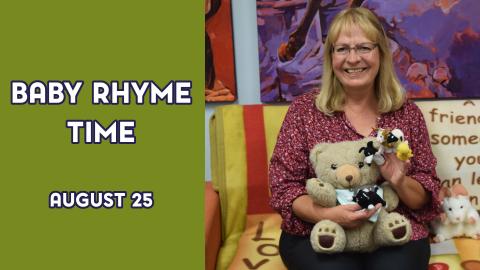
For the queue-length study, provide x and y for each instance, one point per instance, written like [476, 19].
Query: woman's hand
[350, 215]
[347, 216]
[394, 170]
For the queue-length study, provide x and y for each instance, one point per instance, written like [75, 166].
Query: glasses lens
[341, 49]
[364, 48]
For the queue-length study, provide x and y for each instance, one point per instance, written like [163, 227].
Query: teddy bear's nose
[349, 178]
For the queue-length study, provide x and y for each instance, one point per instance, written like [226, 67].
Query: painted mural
[220, 83]
[435, 45]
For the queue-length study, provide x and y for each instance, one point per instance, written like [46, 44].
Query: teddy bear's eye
[461, 206]
[449, 209]
[360, 164]
[334, 166]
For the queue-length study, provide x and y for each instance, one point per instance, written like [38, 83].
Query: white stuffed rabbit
[459, 217]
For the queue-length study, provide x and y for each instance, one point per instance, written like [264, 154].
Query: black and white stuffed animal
[367, 198]
[372, 154]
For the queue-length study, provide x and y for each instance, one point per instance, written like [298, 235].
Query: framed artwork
[220, 83]
[435, 45]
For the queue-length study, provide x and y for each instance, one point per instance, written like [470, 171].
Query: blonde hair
[389, 92]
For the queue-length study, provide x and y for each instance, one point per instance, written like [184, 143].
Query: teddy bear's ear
[459, 189]
[316, 151]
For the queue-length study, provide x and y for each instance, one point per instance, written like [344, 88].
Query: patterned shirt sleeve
[289, 168]
[423, 165]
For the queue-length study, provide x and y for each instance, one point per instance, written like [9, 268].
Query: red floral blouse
[304, 126]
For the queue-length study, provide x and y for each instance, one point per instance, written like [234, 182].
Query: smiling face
[355, 71]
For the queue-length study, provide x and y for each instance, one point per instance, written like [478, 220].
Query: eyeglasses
[362, 48]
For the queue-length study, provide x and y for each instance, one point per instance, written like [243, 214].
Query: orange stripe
[257, 163]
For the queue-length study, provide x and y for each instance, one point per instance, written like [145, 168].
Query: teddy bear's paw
[327, 237]
[322, 193]
[393, 229]
[398, 232]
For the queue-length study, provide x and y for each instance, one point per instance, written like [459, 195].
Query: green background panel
[101, 40]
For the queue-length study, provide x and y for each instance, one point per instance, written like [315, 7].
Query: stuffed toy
[386, 141]
[404, 152]
[389, 138]
[373, 152]
[342, 177]
[459, 217]
[393, 141]
[368, 197]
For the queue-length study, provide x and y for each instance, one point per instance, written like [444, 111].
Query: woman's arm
[412, 193]
[415, 181]
[409, 191]
[289, 168]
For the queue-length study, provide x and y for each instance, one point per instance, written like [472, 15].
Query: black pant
[297, 254]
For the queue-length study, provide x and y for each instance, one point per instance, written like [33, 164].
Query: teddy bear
[459, 217]
[339, 169]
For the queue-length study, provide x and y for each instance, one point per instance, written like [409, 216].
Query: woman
[359, 91]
